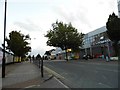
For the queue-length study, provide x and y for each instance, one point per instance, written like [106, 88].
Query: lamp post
[3, 59]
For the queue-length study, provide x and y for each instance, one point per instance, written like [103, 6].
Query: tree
[64, 36]
[113, 30]
[38, 56]
[33, 57]
[48, 53]
[29, 57]
[17, 43]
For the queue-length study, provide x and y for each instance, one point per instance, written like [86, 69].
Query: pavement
[26, 75]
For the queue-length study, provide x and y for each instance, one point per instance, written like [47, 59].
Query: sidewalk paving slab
[27, 75]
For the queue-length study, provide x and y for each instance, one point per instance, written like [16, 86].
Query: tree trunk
[66, 55]
[119, 54]
[116, 48]
[119, 50]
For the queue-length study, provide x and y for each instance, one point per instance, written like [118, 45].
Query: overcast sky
[34, 17]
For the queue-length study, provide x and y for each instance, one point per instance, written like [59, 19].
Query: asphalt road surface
[84, 74]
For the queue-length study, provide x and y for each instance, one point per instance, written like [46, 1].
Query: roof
[97, 31]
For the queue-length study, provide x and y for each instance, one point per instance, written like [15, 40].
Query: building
[9, 57]
[96, 43]
[59, 53]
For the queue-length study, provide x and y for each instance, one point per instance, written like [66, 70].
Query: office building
[96, 43]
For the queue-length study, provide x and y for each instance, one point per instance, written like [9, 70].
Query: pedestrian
[107, 58]
[86, 57]
[103, 57]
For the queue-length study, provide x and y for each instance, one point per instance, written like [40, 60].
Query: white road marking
[61, 83]
[104, 84]
[31, 86]
[53, 72]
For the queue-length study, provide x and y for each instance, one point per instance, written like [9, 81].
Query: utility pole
[3, 59]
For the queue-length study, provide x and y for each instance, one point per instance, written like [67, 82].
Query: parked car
[87, 57]
[53, 57]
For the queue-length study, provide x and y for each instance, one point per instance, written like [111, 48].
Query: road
[83, 74]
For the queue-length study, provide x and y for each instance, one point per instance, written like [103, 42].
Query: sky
[35, 17]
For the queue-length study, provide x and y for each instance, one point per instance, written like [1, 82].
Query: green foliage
[17, 43]
[64, 36]
[47, 53]
[38, 56]
[29, 56]
[33, 57]
[113, 27]
[113, 30]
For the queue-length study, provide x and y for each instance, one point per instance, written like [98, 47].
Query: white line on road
[104, 85]
[32, 86]
[53, 72]
[56, 75]
[61, 83]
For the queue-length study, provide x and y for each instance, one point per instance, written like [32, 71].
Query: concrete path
[27, 75]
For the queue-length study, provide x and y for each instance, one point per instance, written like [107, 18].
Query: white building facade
[96, 43]
[9, 57]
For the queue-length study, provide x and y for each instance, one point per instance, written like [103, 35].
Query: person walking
[107, 58]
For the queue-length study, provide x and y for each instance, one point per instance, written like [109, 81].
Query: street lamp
[3, 59]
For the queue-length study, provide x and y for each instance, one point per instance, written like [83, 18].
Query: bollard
[41, 67]
[39, 62]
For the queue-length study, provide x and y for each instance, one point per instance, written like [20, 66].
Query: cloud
[38, 51]
[89, 13]
[85, 15]
[78, 17]
[29, 26]
[69, 17]
[39, 43]
[41, 50]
